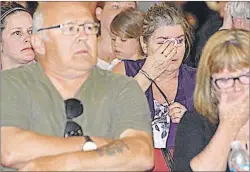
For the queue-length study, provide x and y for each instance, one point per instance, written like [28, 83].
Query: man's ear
[143, 45]
[38, 44]
[98, 13]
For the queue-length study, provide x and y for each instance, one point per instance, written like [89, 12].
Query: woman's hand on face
[234, 111]
[176, 112]
[157, 63]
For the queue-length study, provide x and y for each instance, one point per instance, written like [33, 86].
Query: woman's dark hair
[9, 8]
[31, 6]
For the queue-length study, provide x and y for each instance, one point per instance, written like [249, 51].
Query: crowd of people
[93, 86]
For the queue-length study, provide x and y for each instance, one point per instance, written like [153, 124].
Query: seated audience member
[168, 83]
[236, 15]
[126, 29]
[16, 29]
[222, 98]
[105, 13]
[64, 94]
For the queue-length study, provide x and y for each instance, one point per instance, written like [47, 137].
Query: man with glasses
[65, 95]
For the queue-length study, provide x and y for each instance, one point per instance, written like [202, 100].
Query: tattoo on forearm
[113, 149]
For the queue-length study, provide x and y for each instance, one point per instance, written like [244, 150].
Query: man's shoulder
[20, 75]
[110, 77]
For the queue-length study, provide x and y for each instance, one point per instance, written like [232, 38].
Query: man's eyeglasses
[74, 28]
[226, 83]
[73, 108]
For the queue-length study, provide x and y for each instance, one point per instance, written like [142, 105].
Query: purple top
[186, 85]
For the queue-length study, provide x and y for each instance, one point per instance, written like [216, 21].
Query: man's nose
[82, 35]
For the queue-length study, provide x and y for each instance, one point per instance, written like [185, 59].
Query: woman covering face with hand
[168, 84]
[16, 30]
[221, 95]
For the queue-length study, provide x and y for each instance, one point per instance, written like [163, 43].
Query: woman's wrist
[146, 75]
[229, 128]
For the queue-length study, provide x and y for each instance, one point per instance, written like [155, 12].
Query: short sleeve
[131, 109]
[189, 140]
[14, 103]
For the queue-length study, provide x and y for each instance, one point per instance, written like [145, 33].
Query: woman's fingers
[176, 112]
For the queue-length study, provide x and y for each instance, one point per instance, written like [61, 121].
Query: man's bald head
[48, 10]
[67, 34]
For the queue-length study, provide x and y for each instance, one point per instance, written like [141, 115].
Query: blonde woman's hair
[226, 49]
[166, 14]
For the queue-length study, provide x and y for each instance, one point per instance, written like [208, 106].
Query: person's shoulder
[189, 68]
[135, 62]
[110, 77]
[22, 74]
[189, 71]
[193, 119]
[197, 121]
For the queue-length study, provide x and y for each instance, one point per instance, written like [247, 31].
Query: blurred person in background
[16, 30]
[211, 25]
[126, 29]
[236, 15]
[105, 13]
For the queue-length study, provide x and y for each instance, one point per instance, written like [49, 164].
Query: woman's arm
[233, 115]
[214, 156]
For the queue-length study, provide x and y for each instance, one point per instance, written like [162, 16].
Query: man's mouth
[81, 52]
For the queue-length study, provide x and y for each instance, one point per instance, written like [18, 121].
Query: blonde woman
[222, 97]
[167, 83]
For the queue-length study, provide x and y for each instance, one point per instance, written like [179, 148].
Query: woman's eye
[115, 6]
[17, 33]
[179, 41]
[162, 42]
[123, 40]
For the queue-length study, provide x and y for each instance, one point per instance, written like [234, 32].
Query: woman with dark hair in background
[16, 30]
[167, 83]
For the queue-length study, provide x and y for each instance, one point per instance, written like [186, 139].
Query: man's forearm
[125, 154]
[24, 146]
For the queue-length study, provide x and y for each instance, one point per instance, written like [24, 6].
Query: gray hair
[166, 14]
[239, 8]
[38, 23]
